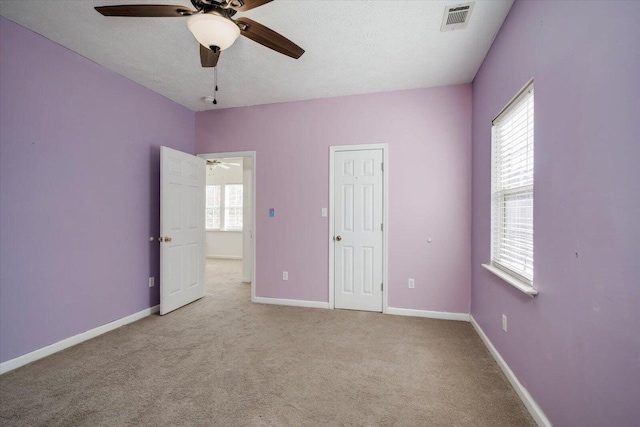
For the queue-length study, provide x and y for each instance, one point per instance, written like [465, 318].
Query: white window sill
[519, 285]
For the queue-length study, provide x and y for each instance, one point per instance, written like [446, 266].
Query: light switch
[324, 212]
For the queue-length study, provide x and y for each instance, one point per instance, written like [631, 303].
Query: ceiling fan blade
[145, 10]
[269, 38]
[248, 4]
[208, 58]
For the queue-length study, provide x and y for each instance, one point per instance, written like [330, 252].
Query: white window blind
[512, 188]
[233, 207]
[212, 213]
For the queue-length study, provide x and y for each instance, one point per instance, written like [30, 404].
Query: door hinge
[382, 166]
[382, 286]
[382, 227]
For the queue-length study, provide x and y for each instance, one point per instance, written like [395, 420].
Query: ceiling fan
[224, 165]
[212, 26]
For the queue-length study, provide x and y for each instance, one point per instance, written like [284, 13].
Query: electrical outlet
[504, 322]
[152, 282]
[412, 283]
[285, 275]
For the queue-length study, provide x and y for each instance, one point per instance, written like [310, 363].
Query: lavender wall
[79, 170]
[428, 132]
[575, 347]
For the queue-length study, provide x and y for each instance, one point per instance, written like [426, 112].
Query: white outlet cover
[152, 282]
[504, 322]
[324, 212]
[412, 283]
[285, 275]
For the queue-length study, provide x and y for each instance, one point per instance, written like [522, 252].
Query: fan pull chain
[215, 82]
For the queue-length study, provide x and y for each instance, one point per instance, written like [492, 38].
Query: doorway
[358, 236]
[229, 209]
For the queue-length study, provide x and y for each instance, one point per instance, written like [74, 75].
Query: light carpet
[223, 361]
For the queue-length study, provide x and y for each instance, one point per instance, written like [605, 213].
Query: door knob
[167, 239]
[338, 238]
[164, 239]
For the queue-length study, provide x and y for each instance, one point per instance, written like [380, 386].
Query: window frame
[222, 208]
[501, 192]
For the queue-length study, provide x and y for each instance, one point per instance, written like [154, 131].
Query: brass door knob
[338, 238]
[167, 239]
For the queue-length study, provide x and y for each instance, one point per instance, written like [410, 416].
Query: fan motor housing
[207, 6]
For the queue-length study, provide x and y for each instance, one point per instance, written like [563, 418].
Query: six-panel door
[358, 237]
[182, 209]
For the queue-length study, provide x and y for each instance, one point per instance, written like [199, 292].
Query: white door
[358, 191]
[182, 191]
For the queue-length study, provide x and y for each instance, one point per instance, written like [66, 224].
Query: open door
[182, 236]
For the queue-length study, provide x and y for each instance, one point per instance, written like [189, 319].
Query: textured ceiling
[352, 47]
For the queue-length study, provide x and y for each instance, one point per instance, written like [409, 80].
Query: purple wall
[79, 171]
[429, 137]
[576, 346]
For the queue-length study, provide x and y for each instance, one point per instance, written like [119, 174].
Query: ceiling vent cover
[456, 17]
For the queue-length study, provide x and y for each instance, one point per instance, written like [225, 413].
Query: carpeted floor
[223, 361]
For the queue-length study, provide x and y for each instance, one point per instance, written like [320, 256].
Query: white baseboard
[224, 257]
[428, 314]
[536, 412]
[291, 302]
[19, 361]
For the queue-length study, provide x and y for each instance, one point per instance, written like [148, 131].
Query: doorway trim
[385, 217]
[252, 156]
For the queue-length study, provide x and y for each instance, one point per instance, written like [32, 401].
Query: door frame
[252, 156]
[385, 217]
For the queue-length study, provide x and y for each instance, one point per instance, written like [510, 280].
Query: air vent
[456, 17]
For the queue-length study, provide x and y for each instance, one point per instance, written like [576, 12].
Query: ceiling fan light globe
[213, 30]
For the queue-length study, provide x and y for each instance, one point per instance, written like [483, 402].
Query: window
[213, 207]
[227, 199]
[233, 206]
[512, 189]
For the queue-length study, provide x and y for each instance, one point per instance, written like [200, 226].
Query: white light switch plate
[324, 212]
